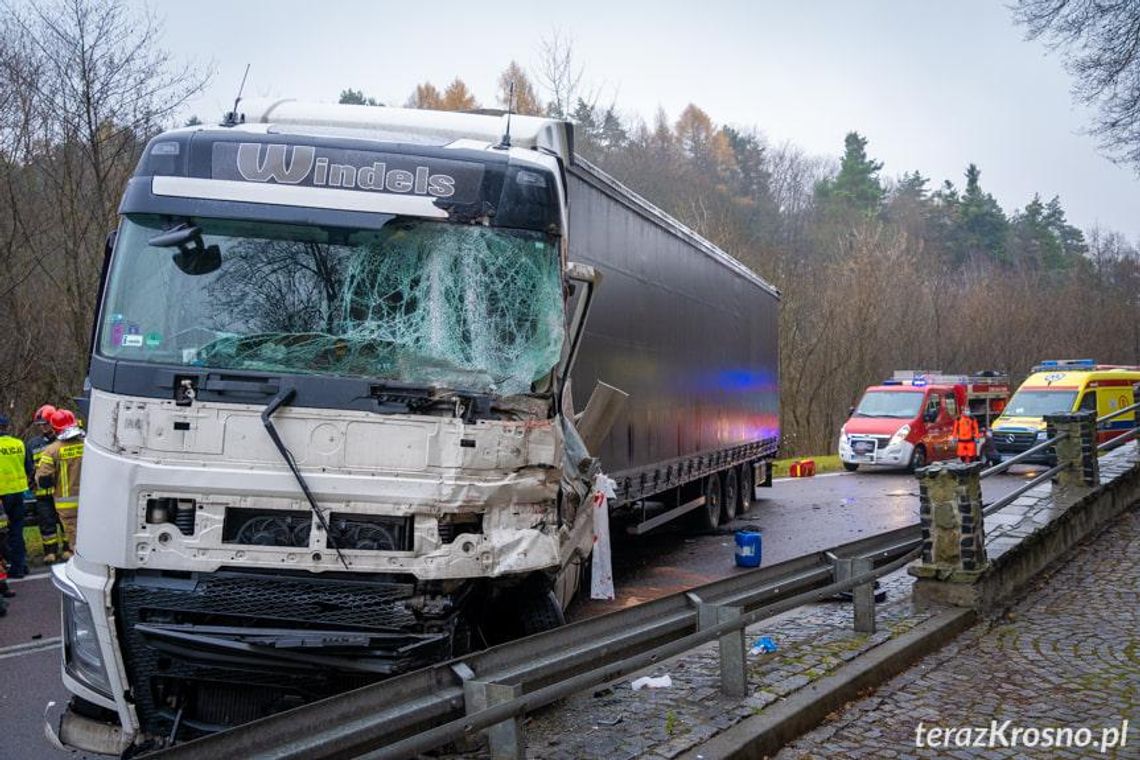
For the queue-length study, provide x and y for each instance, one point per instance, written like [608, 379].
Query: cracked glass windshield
[420, 302]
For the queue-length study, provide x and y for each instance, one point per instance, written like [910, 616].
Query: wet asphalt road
[797, 517]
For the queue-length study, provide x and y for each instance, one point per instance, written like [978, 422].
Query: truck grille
[228, 647]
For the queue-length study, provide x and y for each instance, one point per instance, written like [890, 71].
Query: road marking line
[821, 475]
[31, 577]
[30, 647]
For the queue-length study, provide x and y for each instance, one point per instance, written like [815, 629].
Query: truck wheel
[851, 466]
[541, 613]
[708, 519]
[747, 486]
[917, 459]
[731, 494]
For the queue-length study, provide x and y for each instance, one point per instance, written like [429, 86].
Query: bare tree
[83, 85]
[559, 74]
[1101, 44]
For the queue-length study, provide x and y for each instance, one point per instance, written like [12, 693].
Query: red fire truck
[907, 421]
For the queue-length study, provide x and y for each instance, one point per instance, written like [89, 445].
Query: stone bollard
[1078, 450]
[950, 514]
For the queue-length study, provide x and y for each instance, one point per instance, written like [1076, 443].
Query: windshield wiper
[284, 398]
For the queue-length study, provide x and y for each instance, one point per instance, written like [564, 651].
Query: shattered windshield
[416, 301]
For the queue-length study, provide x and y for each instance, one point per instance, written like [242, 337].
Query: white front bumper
[894, 455]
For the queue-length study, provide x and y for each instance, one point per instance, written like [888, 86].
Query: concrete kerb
[762, 735]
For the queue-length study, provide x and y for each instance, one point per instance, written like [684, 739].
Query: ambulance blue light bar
[1065, 364]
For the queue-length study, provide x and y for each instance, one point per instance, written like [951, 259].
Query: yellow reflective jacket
[14, 465]
[58, 469]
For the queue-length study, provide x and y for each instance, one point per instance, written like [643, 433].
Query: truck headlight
[81, 655]
[899, 436]
[1042, 435]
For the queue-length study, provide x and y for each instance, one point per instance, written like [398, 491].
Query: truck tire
[708, 518]
[917, 459]
[731, 496]
[540, 613]
[851, 466]
[747, 486]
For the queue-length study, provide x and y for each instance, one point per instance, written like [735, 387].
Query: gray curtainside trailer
[691, 335]
[356, 373]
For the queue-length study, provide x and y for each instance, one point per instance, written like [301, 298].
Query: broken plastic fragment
[649, 682]
[763, 645]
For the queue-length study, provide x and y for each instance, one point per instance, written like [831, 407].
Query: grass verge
[823, 463]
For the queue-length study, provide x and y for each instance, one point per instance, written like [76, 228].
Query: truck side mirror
[850, 411]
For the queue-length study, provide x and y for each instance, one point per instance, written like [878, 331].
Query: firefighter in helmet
[966, 436]
[52, 532]
[57, 476]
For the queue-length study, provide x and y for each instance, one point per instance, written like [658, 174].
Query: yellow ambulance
[1066, 385]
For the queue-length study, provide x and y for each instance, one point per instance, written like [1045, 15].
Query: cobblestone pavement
[1068, 655]
[617, 722]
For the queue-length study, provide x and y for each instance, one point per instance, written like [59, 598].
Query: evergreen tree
[613, 134]
[982, 225]
[856, 188]
[357, 98]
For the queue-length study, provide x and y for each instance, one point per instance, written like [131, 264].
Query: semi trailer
[355, 376]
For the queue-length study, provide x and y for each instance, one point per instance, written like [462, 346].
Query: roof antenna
[505, 141]
[232, 118]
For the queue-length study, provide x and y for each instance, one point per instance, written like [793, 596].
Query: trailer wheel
[851, 466]
[731, 494]
[709, 517]
[540, 613]
[747, 486]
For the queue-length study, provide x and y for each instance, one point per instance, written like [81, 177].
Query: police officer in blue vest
[16, 471]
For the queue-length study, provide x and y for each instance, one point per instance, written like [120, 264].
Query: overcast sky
[933, 86]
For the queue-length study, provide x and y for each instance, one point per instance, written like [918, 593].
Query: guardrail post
[506, 738]
[733, 673]
[862, 596]
[950, 514]
[1078, 450]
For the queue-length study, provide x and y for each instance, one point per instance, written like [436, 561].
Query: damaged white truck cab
[324, 443]
[331, 431]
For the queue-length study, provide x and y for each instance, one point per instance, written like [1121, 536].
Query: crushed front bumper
[210, 651]
[73, 731]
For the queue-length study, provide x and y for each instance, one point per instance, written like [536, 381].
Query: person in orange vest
[966, 436]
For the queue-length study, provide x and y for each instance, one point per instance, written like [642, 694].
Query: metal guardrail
[1108, 445]
[420, 710]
